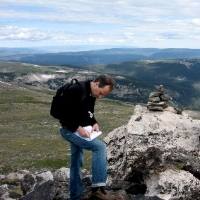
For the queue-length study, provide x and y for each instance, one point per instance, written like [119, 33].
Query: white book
[93, 134]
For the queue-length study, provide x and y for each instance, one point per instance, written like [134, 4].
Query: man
[80, 114]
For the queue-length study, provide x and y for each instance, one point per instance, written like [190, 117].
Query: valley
[29, 136]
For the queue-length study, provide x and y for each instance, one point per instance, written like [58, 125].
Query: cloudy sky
[133, 23]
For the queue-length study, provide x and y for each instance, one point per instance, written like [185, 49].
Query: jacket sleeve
[92, 117]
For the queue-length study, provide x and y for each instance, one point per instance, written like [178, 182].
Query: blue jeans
[99, 162]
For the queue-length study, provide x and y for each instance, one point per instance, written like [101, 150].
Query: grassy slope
[29, 136]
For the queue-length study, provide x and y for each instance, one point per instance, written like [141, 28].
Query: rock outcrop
[156, 156]
[157, 153]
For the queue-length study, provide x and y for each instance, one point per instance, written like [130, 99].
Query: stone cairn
[158, 99]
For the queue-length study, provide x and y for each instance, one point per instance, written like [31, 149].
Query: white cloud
[16, 33]
[157, 39]
[196, 21]
[145, 23]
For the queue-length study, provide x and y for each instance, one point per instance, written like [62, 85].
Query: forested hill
[105, 56]
[134, 80]
[136, 70]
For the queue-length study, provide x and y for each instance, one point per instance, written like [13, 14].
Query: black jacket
[78, 113]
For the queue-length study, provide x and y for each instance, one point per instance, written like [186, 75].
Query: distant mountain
[136, 70]
[134, 80]
[13, 51]
[53, 77]
[105, 56]
[180, 77]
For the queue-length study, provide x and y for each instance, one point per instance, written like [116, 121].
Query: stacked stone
[158, 99]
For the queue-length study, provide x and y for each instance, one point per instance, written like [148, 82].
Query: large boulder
[159, 152]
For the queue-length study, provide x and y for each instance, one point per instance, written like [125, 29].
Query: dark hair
[105, 80]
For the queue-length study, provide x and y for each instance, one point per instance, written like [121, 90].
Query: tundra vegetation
[29, 136]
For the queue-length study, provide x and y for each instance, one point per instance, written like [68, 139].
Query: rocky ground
[155, 156]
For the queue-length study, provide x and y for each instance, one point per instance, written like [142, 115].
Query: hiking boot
[87, 196]
[102, 194]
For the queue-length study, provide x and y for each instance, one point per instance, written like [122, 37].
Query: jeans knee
[102, 146]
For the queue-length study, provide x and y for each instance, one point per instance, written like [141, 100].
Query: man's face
[99, 92]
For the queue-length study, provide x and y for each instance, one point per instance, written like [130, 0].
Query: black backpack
[59, 99]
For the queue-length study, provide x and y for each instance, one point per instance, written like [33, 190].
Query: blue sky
[116, 23]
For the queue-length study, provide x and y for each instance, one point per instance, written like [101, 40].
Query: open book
[93, 134]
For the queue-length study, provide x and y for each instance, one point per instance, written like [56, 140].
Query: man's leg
[75, 172]
[99, 163]
[75, 166]
[99, 171]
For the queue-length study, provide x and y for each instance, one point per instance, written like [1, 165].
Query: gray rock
[160, 150]
[62, 174]
[27, 183]
[44, 176]
[3, 191]
[158, 100]
[154, 157]
[45, 191]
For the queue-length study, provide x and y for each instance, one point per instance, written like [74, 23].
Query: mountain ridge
[104, 56]
[134, 80]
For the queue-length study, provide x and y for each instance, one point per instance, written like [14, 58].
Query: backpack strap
[61, 90]
[66, 86]
[83, 86]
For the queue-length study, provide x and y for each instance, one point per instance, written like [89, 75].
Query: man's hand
[83, 132]
[95, 127]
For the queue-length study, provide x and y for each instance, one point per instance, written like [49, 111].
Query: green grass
[23, 68]
[29, 136]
